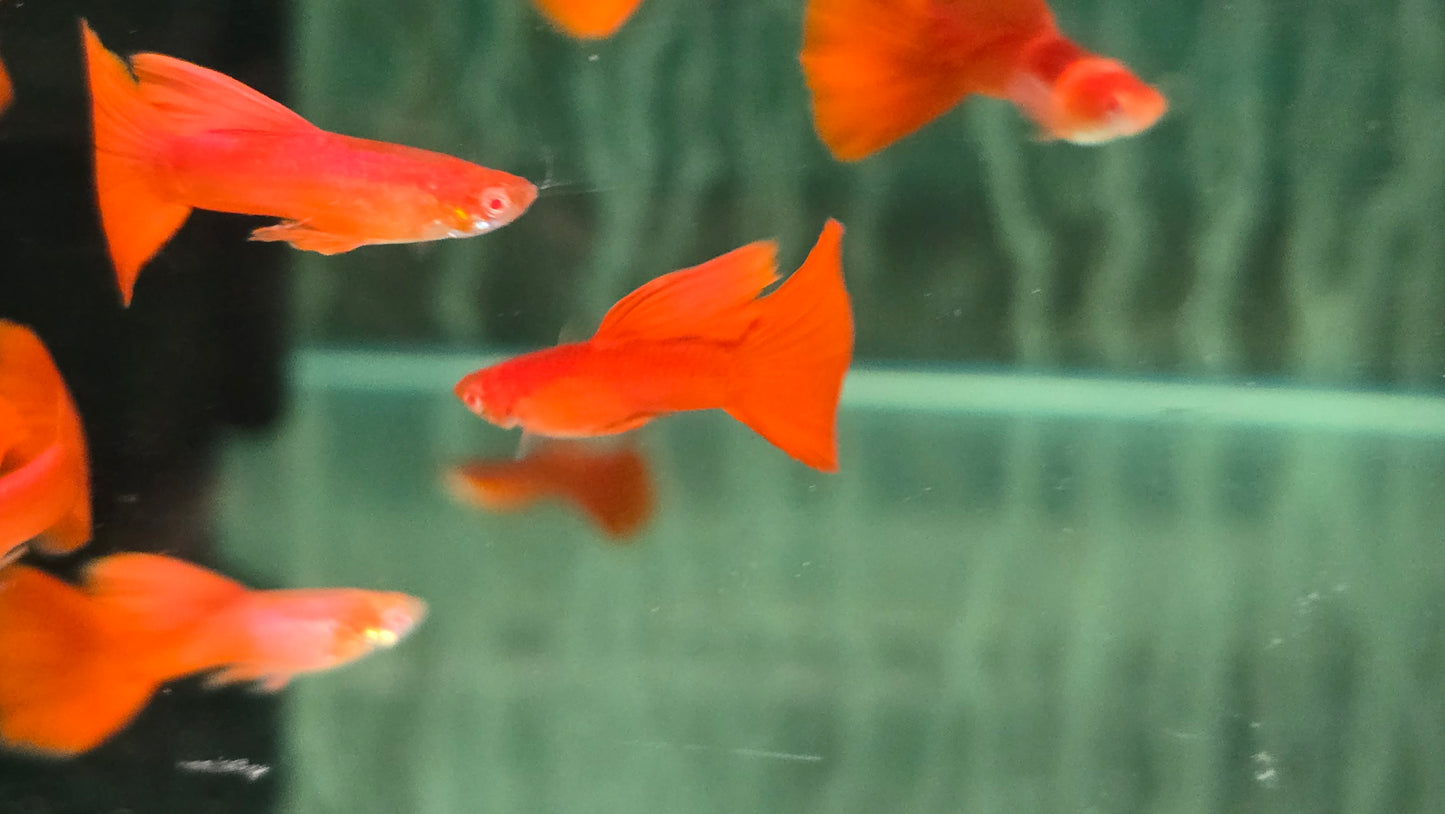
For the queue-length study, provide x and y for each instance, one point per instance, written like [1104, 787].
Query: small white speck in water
[1264, 769]
[239, 766]
[761, 754]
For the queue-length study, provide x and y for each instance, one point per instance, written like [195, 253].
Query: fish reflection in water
[612, 487]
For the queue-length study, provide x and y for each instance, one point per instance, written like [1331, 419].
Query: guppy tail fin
[881, 69]
[792, 363]
[137, 216]
[65, 685]
[588, 19]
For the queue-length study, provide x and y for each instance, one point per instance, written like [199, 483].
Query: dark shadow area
[200, 350]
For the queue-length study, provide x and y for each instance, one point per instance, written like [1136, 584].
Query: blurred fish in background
[76, 664]
[588, 19]
[881, 69]
[7, 88]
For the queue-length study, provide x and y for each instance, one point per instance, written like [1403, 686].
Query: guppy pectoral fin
[240, 674]
[274, 682]
[305, 238]
[627, 424]
[1042, 136]
[528, 443]
[226, 676]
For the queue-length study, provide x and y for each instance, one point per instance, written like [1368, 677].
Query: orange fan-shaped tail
[137, 215]
[792, 364]
[880, 69]
[65, 679]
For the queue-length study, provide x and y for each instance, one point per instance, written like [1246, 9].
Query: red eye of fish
[495, 203]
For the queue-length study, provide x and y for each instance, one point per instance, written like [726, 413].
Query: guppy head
[372, 620]
[1098, 100]
[488, 395]
[495, 205]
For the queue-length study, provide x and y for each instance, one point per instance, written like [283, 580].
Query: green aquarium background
[1142, 455]
[1284, 220]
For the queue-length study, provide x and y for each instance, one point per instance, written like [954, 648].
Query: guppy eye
[495, 202]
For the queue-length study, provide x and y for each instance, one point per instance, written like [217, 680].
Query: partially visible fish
[7, 89]
[696, 339]
[77, 664]
[588, 19]
[612, 487]
[44, 467]
[176, 137]
[879, 70]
